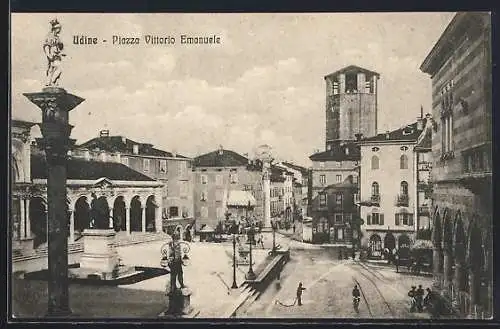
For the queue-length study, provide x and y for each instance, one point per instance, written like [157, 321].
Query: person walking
[356, 298]
[412, 294]
[300, 288]
[420, 298]
[294, 228]
[432, 303]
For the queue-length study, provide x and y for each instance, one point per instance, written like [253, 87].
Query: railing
[375, 198]
[402, 200]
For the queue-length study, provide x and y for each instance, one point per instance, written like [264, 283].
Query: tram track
[369, 289]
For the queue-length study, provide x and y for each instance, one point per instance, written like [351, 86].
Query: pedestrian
[419, 298]
[294, 228]
[412, 294]
[432, 303]
[299, 293]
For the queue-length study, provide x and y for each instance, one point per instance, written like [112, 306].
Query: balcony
[373, 201]
[402, 200]
[424, 210]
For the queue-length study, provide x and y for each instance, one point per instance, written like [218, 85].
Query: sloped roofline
[352, 67]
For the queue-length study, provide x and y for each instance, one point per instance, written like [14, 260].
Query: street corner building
[395, 185]
[461, 71]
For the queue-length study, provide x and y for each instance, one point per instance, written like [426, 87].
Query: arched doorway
[151, 214]
[389, 241]
[81, 216]
[375, 245]
[119, 214]
[38, 220]
[135, 214]
[404, 242]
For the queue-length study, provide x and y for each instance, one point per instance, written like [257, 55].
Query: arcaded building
[460, 67]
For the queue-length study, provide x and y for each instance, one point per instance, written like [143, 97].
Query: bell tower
[351, 104]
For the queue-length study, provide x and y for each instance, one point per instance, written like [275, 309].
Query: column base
[179, 304]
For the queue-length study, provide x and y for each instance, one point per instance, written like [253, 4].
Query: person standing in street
[420, 297]
[300, 288]
[412, 294]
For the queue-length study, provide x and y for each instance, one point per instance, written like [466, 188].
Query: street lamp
[235, 285]
[250, 275]
[273, 225]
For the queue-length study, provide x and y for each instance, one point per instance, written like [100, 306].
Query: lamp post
[273, 225]
[235, 285]
[250, 275]
[55, 104]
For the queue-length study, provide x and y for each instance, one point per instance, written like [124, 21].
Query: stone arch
[38, 220]
[120, 214]
[389, 241]
[135, 214]
[436, 230]
[475, 259]
[375, 245]
[404, 241]
[99, 210]
[151, 209]
[447, 228]
[81, 214]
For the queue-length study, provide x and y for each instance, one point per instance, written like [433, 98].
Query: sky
[263, 84]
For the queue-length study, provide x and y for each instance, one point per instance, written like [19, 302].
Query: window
[347, 218]
[233, 178]
[204, 212]
[125, 161]
[335, 87]
[322, 199]
[220, 213]
[404, 188]
[338, 178]
[338, 199]
[322, 179]
[204, 179]
[163, 166]
[351, 83]
[403, 162]
[375, 188]
[404, 218]
[340, 234]
[182, 168]
[375, 162]
[203, 196]
[339, 219]
[145, 164]
[218, 195]
[355, 179]
[322, 165]
[375, 218]
[218, 180]
[173, 211]
[447, 117]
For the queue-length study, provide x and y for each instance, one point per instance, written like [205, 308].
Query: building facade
[461, 71]
[388, 189]
[172, 170]
[216, 174]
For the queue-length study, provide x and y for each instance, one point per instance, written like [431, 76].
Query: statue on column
[53, 48]
[175, 253]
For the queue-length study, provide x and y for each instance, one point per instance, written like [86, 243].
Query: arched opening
[135, 215]
[81, 216]
[99, 211]
[389, 241]
[404, 188]
[375, 162]
[404, 241]
[475, 261]
[375, 189]
[375, 245]
[151, 214]
[38, 220]
[119, 214]
[403, 162]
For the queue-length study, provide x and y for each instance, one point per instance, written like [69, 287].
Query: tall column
[111, 218]
[71, 225]
[127, 219]
[267, 196]
[143, 219]
[55, 104]
[28, 218]
[437, 255]
[158, 219]
[22, 218]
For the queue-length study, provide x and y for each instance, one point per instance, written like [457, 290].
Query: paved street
[329, 283]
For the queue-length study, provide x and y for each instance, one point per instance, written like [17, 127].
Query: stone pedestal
[99, 252]
[179, 304]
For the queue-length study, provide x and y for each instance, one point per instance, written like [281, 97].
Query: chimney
[87, 155]
[387, 136]
[104, 133]
[135, 149]
[124, 140]
[420, 120]
[221, 150]
[358, 136]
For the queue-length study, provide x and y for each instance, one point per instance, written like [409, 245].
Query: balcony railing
[375, 198]
[402, 200]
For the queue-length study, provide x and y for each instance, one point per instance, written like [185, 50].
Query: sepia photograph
[250, 166]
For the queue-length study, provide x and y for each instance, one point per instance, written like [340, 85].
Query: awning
[240, 199]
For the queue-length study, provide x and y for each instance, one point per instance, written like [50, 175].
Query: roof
[450, 38]
[407, 133]
[351, 68]
[124, 145]
[277, 174]
[220, 158]
[338, 153]
[302, 170]
[22, 123]
[81, 169]
[240, 198]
